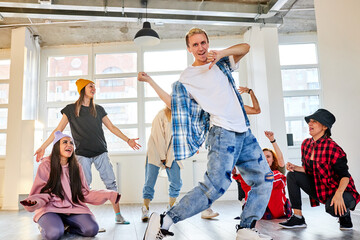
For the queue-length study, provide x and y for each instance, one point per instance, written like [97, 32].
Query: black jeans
[300, 180]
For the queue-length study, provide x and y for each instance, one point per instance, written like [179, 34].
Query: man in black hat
[321, 159]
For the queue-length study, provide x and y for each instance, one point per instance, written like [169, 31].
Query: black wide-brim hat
[323, 116]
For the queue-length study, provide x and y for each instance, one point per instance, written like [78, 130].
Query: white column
[20, 133]
[339, 58]
[264, 76]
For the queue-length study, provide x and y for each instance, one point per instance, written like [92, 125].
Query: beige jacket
[159, 141]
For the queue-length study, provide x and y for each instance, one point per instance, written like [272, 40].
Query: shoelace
[159, 235]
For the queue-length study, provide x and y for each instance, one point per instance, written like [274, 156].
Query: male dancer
[207, 89]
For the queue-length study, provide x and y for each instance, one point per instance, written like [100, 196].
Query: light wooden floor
[18, 225]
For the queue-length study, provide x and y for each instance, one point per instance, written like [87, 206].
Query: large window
[114, 73]
[4, 100]
[301, 86]
[130, 105]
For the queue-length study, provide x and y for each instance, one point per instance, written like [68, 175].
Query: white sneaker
[145, 214]
[251, 234]
[153, 231]
[119, 219]
[208, 214]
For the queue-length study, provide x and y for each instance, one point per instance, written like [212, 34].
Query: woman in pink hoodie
[59, 194]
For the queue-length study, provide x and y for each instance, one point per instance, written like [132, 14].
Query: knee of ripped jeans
[269, 177]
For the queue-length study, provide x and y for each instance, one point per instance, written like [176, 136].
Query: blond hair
[194, 31]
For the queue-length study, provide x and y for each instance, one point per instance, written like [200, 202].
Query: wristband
[249, 91]
[128, 140]
[273, 141]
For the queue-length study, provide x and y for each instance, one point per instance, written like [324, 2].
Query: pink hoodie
[52, 203]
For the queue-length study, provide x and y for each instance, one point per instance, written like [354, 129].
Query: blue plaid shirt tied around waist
[190, 123]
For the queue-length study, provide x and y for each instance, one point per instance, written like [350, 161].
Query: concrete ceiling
[63, 22]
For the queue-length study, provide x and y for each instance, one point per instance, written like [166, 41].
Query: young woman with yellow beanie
[86, 119]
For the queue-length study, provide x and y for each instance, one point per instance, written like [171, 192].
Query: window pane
[117, 144]
[62, 91]
[4, 93]
[115, 63]
[164, 81]
[3, 118]
[54, 116]
[2, 143]
[151, 109]
[297, 54]
[4, 69]
[121, 113]
[300, 79]
[299, 129]
[300, 106]
[67, 66]
[116, 88]
[165, 60]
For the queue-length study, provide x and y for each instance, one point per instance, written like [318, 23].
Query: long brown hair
[167, 113]
[275, 164]
[53, 184]
[79, 102]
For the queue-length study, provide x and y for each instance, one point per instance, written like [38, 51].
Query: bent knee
[53, 234]
[90, 231]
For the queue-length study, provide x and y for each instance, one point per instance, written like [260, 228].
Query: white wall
[265, 77]
[339, 56]
[20, 132]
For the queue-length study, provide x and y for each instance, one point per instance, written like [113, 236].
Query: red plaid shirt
[326, 154]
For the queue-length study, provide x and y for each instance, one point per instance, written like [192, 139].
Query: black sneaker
[294, 222]
[345, 222]
[153, 230]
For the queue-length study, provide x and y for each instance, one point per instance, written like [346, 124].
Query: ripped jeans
[226, 149]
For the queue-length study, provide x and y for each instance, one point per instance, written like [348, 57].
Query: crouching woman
[59, 194]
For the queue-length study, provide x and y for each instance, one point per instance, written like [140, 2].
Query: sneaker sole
[295, 226]
[345, 229]
[124, 223]
[209, 217]
[155, 219]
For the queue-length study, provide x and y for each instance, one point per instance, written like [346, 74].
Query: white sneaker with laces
[145, 214]
[153, 231]
[153, 227]
[208, 214]
[251, 234]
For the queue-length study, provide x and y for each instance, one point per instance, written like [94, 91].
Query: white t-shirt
[213, 92]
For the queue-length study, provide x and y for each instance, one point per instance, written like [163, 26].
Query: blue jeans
[227, 149]
[151, 174]
[103, 165]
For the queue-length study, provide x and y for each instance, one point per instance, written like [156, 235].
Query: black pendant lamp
[146, 36]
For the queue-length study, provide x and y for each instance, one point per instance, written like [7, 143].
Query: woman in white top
[160, 155]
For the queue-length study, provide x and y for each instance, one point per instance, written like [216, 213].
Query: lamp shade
[146, 36]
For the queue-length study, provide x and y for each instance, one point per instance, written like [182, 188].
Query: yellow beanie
[81, 83]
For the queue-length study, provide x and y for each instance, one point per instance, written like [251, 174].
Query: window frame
[5, 54]
[294, 40]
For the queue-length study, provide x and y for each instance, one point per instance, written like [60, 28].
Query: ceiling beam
[87, 15]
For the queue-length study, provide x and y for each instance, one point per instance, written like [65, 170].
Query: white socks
[167, 222]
